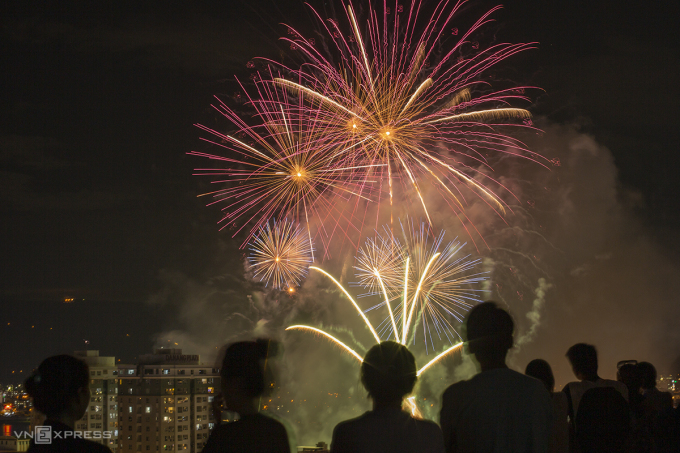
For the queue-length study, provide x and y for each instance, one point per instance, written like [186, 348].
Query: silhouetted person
[627, 372]
[583, 360]
[559, 440]
[389, 373]
[669, 442]
[60, 390]
[498, 410]
[653, 400]
[602, 421]
[653, 411]
[243, 382]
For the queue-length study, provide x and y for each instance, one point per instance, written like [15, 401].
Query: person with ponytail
[245, 377]
[389, 374]
[60, 391]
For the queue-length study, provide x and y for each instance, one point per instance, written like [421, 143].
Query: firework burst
[430, 282]
[281, 167]
[436, 286]
[406, 107]
[280, 255]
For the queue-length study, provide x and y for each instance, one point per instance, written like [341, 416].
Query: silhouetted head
[488, 331]
[647, 374]
[583, 359]
[60, 387]
[628, 374]
[243, 367]
[540, 369]
[388, 372]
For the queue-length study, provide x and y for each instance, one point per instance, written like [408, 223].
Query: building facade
[101, 417]
[12, 443]
[165, 402]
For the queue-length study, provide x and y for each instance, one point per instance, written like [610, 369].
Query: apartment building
[165, 402]
[101, 418]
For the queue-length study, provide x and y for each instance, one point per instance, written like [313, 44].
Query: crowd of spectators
[497, 410]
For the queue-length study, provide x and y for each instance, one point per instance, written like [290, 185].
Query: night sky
[98, 106]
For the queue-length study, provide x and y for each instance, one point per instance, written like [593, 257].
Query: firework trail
[280, 255]
[406, 108]
[441, 289]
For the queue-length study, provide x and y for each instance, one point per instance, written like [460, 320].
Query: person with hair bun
[388, 373]
[60, 390]
[243, 382]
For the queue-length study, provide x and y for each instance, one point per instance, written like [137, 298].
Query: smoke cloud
[571, 262]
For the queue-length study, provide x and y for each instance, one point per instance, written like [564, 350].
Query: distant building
[668, 383]
[15, 401]
[101, 417]
[165, 402]
[11, 443]
[320, 447]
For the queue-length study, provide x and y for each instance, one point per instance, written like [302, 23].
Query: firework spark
[412, 407]
[280, 255]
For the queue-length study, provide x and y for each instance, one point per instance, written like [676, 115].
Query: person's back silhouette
[499, 409]
[243, 382]
[60, 390]
[602, 421]
[559, 440]
[389, 374]
[584, 364]
[653, 411]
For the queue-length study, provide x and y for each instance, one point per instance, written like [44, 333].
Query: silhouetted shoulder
[501, 380]
[388, 432]
[497, 410]
[252, 433]
[456, 388]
